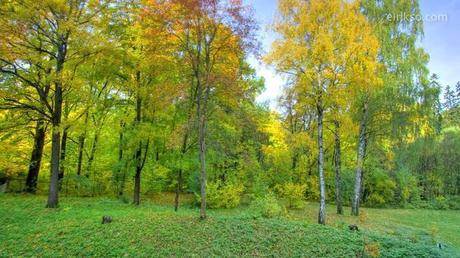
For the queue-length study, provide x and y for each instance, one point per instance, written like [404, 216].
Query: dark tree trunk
[56, 134]
[121, 190]
[92, 154]
[137, 178]
[294, 161]
[139, 160]
[322, 186]
[62, 161]
[178, 190]
[120, 176]
[36, 157]
[81, 146]
[360, 162]
[338, 168]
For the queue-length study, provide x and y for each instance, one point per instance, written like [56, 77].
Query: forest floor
[154, 229]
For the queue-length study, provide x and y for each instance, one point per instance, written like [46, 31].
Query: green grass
[154, 229]
[442, 225]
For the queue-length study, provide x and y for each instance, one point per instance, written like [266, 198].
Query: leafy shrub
[267, 206]
[454, 202]
[258, 189]
[420, 204]
[382, 189]
[156, 182]
[231, 194]
[222, 196]
[441, 203]
[312, 190]
[78, 185]
[407, 188]
[293, 194]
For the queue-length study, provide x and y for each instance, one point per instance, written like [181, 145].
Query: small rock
[106, 219]
[353, 227]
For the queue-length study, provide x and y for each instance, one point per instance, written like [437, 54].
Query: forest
[149, 109]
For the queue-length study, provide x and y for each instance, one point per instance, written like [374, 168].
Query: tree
[361, 154]
[327, 49]
[22, 69]
[214, 37]
[52, 39]
[397, 114]
[451, 103]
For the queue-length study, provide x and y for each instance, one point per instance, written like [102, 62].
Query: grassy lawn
[443, 226]
[154, 229]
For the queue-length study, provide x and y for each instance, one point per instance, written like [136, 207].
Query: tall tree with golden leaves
[328, 51]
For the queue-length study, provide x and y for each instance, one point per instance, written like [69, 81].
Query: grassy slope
[27, 229]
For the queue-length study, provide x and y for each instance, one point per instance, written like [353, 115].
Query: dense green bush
[312, 190]
[293, 194]
[382, 189]
[429, 167]
[406, 187]
[267, 206]
[453, 202]
[440, 203]
[222, 196]
[259, 189]
[419, 204]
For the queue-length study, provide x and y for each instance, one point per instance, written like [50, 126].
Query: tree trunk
[360, 162]
[338, 168]
[202, 110]
[121, 190]
[137, 178]
[121, 179]
[202, 167]
[36, 157]
[89, 168]
[62, 161]
[322, 186]
[139, 163]
[56, 134]
[81, 145]
[55, 150]
[294, 161]
[179, 176]
[178, 190]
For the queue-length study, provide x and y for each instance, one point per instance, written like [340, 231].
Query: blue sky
[441, 41]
